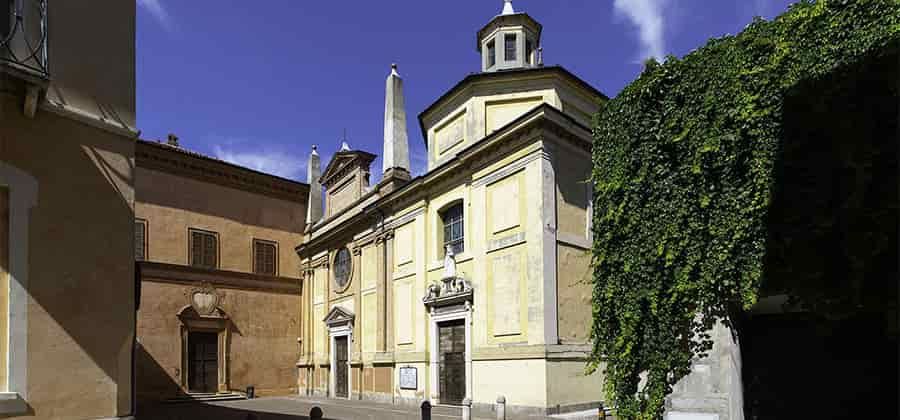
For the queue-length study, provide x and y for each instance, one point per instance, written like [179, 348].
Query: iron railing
[23, 36]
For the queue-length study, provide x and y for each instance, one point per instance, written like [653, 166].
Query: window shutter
[196, 249]
[264, 256]
[269, 259]
[139, 235]
[209, 251]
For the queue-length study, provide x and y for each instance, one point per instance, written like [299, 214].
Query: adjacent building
[472, 281]
[220, 292]
[67, 285]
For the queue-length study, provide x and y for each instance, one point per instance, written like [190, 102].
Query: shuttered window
[140, 240]
[204, 249]
[264, 257]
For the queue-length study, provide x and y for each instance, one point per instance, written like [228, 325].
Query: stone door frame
[217, 323]
[345, 330]
[465, 314]
[339, 322]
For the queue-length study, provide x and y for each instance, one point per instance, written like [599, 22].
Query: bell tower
[510, 41]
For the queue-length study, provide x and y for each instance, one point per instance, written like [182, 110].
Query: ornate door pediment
[338, 317]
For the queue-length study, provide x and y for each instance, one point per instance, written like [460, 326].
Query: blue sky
[258, 83]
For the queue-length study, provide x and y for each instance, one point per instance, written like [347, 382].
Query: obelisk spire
[508, 8]
[396, 145]
[313, 176]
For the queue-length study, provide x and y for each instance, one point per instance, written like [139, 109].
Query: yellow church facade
[471, 282]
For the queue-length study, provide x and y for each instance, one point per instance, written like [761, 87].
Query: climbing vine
[683, 168]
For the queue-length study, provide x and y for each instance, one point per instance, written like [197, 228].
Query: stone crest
[205, 299]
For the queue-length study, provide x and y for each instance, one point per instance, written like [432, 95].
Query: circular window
[342, 267]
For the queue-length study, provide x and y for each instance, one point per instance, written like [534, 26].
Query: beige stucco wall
[263, 339]
[569, 385]
[80, 283]
[481, 108]
[172, 204]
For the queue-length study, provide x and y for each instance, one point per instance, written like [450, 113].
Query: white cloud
[279, 163]
[155, 8]
[647, 16]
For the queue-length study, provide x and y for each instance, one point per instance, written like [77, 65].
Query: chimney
[313, 175]
[395, 160]
[172, 140]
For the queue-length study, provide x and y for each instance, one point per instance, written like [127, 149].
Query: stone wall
[713, 390]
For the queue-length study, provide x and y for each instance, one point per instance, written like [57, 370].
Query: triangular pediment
[342, 160]
[338, 316]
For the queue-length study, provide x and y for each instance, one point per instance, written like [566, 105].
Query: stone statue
[449, 263]
[433, 292]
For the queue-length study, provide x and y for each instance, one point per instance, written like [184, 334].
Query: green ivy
[683, 171]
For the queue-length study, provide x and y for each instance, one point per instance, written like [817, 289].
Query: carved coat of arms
[205, 299]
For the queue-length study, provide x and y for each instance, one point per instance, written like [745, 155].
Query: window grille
[453, 228]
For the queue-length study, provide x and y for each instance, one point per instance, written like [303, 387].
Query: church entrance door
[341, 379]
[203, 360]
[452, 351]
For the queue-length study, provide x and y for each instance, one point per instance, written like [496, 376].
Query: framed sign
[408, 378]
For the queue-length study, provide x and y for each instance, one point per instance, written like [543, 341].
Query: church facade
[470, 282]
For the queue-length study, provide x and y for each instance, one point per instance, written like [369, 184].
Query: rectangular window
[529, 49]
[509, 42]
[140, 240]
[453, 228]
[491, 53]
[265, 257]
[204, 249]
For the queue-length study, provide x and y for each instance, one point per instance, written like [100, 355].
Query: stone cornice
[178, 161]
[186, 275]
[543, 118]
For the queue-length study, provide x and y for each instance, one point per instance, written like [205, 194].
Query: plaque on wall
[408, 378]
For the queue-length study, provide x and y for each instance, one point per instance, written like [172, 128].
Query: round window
[342, 267]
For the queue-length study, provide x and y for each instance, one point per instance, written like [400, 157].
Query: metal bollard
[467, 409]
[426, 410]
[315, 413]
[501, 408]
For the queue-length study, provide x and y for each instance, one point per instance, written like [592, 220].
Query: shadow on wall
[833, 244]
[152, 381]
[82, 222]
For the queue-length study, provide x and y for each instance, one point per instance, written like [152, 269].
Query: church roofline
[543, 112]
[480, 77]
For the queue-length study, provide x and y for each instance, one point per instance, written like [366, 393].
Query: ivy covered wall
[688, 161]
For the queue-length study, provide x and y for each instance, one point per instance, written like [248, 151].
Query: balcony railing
[23, 37]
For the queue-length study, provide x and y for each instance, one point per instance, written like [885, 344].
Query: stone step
[204, 396]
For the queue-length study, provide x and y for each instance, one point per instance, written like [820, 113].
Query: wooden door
[203, 360]
[452, 351]
[341, 380]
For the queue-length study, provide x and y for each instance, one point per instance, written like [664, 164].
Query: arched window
[452, 219]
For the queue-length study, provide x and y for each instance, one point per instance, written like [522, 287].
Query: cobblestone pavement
[290, 408]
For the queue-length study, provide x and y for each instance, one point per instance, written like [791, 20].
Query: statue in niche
[449, 263]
